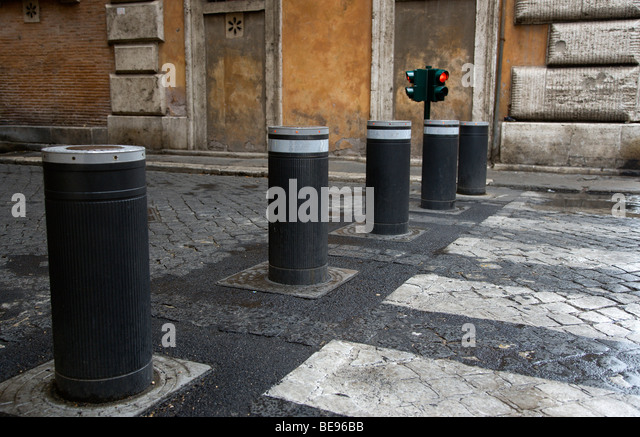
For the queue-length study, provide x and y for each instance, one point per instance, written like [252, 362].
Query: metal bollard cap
[441, 127]
[386, 124]
[474, 128]
[389, 130]
[474, 123]
[298, 130]
[302, 139]
[442, 123]
[105, 154]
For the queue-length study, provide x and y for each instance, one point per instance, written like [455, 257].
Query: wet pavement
[521, 302]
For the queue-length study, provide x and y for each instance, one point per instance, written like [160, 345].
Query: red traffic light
[444, 77]
[411, 76]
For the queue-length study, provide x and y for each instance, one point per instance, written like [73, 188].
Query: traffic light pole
[427, 110]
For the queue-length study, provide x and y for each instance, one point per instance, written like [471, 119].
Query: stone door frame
[485, 59]
[196, 61]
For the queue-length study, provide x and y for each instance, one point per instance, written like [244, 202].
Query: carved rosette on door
[31, 11]
[234, 25]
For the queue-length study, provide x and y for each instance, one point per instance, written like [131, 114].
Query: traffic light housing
[417, 91]
[427, 85]
[437, 89]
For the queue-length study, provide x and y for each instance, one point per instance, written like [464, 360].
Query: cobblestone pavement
[528, 313]
[508, 306]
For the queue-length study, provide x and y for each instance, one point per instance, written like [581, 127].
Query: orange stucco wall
[524, 45]
[173, 51]
[326, 58]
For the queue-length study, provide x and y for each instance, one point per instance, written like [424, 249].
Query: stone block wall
[139, 109]
[579, 109]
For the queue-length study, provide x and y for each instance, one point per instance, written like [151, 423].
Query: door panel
[235, 63]
[439, 33]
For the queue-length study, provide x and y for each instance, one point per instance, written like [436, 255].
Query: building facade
[556, 79]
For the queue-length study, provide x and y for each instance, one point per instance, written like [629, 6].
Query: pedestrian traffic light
[427, 85]
[437, 84]
[418, 81]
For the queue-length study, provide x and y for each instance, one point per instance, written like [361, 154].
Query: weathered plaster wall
[236, 84]
[326, 51]
[172, 51]
[439, 33]
[523, 46]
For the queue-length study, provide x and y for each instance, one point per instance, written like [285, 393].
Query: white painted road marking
[359, 380]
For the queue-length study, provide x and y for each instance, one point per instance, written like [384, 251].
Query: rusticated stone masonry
[591, 76]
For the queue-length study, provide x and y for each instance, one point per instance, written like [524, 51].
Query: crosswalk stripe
[513, 304]
[357, 379]
[360, 380]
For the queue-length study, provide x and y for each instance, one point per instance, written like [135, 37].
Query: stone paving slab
[516, 305]
[363, 381]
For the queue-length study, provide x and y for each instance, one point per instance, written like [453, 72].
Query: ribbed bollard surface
[388, 172]
[97, 236]
[298, 249]
[440, 164]
[472, 157]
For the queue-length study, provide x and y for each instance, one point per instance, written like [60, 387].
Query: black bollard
[388, 172]
[298, 246]
[98, 245]
[472, 158]
[440, 164]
